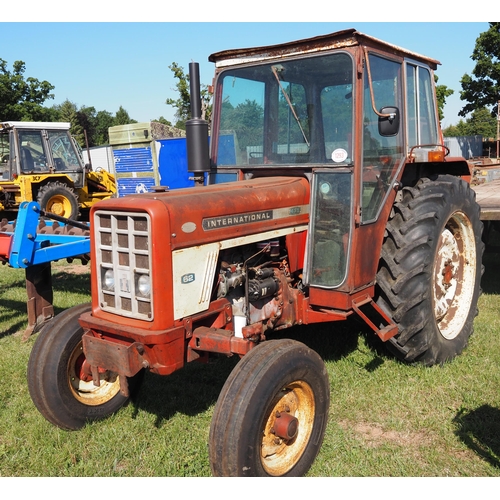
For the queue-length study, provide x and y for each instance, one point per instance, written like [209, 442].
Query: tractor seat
[27, 163]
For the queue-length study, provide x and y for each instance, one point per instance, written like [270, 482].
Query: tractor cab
[345, 110]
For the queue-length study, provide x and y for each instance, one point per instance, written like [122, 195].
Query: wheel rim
[59, 205]
[295, 404]
[454, 275]
[81, 384]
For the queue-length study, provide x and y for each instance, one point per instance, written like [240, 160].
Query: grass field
[386, 418]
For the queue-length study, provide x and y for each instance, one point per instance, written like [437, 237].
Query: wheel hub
[81, 383]
[446, 282]
[58, 206]
[285, 426]
[288, 428]
[454, 275]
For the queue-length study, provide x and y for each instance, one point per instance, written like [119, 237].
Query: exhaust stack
[198, 157]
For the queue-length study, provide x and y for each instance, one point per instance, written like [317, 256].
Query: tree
[457, 130]
[183, 102]
[97, 123]
[87, 119]
[480, 123]
[122, 117]
[246, 120]
[442, 92]
[67, 111]
[482, 89]
[22, 98]
[163, 121]
[104, 120]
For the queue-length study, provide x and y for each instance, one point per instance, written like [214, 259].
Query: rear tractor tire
[56, 381]
[430, 269]
[272, 412]
[59, 199]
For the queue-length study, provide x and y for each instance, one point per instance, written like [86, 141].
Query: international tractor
[330, 195]
[40, 161]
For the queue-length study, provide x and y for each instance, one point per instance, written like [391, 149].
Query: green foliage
[87, 119]
[246, 119]
[122, 117]
[460, 129]
[22, 98]
[103, 120]
[482, 88]
[480, 123]
[68, 112]
[442, 92]
[183, 102]
[289, 131]
[163, 120]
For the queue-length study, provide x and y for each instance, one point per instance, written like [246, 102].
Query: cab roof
[339, 39]
[35, 125]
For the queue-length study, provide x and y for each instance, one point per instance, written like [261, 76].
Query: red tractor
[329, 194]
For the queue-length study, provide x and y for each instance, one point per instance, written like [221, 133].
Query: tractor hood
[222, 211]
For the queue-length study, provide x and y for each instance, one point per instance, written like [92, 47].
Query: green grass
[386, 418]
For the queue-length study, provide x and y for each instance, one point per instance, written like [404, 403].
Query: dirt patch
[374, 435]
[77, 268]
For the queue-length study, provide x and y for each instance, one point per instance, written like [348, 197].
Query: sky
[125, 62]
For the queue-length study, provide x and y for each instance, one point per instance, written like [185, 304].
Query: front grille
[123, 244]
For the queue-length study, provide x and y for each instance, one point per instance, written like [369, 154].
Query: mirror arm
[391, 116]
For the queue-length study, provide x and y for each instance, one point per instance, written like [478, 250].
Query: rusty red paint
[338, 40]
[285, 425]
[184, 219]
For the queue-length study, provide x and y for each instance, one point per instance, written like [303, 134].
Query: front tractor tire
[60, 390]
[272, 412]
[59, 199]
[430, 269]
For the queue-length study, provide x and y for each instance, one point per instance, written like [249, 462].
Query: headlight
[144, 285]
[108, 282]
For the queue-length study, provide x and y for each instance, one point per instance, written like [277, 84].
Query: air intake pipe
[198, 158]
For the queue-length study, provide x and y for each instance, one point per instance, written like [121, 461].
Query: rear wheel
[58, 378]
[271, 415]
[59, 199]
[430, 269]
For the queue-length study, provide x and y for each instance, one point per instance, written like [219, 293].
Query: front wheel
[430, 269]
[59, 199]
[58, 379]
[272, 412]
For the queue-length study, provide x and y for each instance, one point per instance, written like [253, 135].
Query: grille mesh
[123, 244]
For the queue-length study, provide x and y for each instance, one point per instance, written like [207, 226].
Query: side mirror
[388, 125]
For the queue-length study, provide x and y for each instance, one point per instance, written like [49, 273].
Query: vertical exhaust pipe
[198, 157]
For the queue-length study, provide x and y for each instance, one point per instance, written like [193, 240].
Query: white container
[239, 322]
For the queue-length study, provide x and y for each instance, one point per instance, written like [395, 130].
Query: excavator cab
[41, 161]
[35, 149]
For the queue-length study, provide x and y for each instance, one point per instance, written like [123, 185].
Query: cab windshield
[57, 153]
[293, 112]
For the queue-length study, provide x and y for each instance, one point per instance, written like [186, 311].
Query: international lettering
[236, 220]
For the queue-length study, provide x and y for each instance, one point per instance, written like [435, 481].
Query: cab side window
[33, 157]
[381, 154]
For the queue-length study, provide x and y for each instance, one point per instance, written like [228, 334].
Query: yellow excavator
[41, 161]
